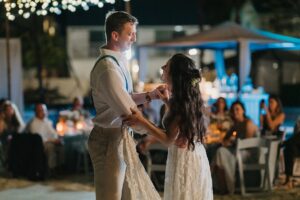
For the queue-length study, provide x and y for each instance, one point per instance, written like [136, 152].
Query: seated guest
[273, 117]
[78, 110]
[291, 151]
[41, 125]
[224, 162]
[220, 115]
[14, 122]
[219, 123]
[77, 118]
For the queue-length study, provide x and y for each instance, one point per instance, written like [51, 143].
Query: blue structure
[227, 36]
[234, 37]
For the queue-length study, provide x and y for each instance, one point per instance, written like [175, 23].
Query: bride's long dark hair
[186, 101]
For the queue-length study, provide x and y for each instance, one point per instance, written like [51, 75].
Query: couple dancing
[118, 172]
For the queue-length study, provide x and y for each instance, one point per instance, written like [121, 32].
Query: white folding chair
[296, 167]
[262, 145]
[276, 156]
[153, 166]
[273, 158]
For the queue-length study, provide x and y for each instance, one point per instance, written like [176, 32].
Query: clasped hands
[161, 92]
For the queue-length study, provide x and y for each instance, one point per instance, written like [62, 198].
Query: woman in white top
[187, 173]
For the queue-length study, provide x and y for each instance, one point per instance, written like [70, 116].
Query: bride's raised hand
[163, 93]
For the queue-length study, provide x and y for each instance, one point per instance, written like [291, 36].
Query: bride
[187, 173]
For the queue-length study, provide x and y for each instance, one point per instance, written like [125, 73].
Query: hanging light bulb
[100, 4]
[26, 8]
[26, 15]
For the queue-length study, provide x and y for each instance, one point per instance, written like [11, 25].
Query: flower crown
[195, 81]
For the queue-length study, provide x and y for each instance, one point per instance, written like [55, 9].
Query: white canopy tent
[226, 36]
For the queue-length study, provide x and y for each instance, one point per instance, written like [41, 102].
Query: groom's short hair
[115, 21]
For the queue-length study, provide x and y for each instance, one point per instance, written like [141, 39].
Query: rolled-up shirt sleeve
[110, 95]
[113, 91]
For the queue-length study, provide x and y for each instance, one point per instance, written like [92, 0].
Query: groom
[111, 86]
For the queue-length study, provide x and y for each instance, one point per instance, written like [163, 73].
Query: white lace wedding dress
[136, 180]
[188, 174]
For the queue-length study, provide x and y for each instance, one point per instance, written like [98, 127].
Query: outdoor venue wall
[16, 72]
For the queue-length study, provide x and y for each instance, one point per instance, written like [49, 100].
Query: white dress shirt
[110, 95]
[43, 128]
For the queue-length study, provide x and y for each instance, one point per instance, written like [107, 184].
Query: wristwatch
[147, 97]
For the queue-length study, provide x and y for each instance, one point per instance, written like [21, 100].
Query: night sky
[149, 12]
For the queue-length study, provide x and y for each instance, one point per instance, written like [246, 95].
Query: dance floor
[80, 187]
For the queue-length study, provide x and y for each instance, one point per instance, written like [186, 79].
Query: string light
[26, 8]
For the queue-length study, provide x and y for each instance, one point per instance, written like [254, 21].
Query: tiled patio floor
[76, 189]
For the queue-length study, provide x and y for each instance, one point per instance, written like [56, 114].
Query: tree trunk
[39, 61]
